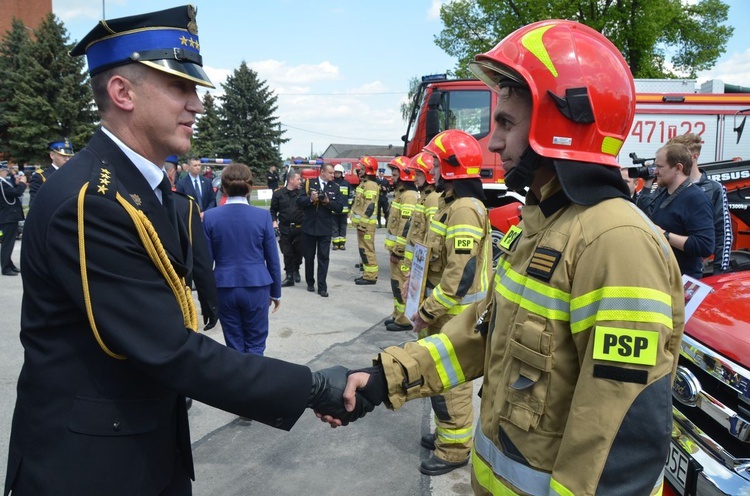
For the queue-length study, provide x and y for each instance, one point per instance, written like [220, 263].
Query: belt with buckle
[295, 225]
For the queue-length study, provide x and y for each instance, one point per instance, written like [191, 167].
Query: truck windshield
[468, 111]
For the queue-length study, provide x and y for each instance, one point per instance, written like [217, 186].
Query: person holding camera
[322, 201]
[11, 213]
[681, 210]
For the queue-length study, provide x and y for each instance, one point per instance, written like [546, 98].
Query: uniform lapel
[134, 188]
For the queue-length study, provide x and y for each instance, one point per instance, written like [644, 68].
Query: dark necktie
[197, 189]
[168, 201]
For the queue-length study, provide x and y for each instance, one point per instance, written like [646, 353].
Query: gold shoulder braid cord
[151, 243]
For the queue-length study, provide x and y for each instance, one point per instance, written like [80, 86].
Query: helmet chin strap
[440, 184]
[520, 177]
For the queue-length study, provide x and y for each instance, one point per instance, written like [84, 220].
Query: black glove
[326, 395]
[210, 315]
[376, 389]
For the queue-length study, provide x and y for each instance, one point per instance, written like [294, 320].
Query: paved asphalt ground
[377, 455]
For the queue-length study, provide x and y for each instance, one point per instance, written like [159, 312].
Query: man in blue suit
[322, 201]
[197, 185]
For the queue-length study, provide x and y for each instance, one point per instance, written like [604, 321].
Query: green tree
[51, 96]
[658, 38]
[207, 129]
[249, 129]
[13, 42]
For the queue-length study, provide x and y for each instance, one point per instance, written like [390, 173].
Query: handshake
[340, 396]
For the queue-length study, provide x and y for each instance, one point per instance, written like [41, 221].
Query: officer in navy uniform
[322, 201]
[11, 213]
[107, 323]
[59, 153]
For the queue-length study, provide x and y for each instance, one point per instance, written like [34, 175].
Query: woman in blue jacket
[242, 244]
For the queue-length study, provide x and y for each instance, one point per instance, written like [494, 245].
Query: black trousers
[290, 243]
[339, 227]
[384, 208]
[10, 230]
[321, 245]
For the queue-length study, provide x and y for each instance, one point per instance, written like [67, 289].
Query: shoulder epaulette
[102, 182]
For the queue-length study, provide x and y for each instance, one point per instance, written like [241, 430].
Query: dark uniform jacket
[272, 180]
[318, 220]
[208, 196]
[203, 271]
[86, 422]
[11, 206]
[37, 179]
[284, 208]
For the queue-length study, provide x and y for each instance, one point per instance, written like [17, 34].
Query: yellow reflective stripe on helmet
[530, 294]
[533, 42]
[444, 355]
[465, 230]
[491, 465]
[622, 303]
[454, 436]
[438, 227]
[611, 146]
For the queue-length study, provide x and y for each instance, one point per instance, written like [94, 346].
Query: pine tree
[206, 129]
[249, 130]
[52, 99]
[12, 44]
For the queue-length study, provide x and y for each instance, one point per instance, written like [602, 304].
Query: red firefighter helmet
[402, 164]
[459, 153]
[424, 162]
[581, 87]
[370, 164]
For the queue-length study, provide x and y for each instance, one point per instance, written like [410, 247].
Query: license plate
[682, 470]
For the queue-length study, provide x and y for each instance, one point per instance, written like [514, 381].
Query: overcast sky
[340, 67]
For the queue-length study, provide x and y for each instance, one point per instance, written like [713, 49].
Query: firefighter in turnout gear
[422, 166]
[365, 220]
[338, 238]
[577, 350]
[399, 220]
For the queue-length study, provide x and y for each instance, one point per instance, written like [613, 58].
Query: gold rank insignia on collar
[543, 263]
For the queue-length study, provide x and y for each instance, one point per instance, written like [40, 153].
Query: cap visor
[187, 70]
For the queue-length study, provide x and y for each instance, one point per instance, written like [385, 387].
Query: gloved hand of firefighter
[327, 398]
[368, 385]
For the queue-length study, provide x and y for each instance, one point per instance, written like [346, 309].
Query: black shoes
[362, 281]
[11, 272]
[15, 269]
[311, 289]
[324, 294]
[435, 466]
[428, 441]
[399, 327]
[389, 320]
[287, 282]
[297, 278]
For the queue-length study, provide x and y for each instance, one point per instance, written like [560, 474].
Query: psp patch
[463, 245]
[632, 346]
[543, 263]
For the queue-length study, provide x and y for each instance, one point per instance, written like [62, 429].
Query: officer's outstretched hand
[367, 384]
[327, 397]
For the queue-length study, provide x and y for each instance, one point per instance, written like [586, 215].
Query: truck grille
[713, 394]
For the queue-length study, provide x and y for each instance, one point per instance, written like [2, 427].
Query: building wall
[31, 12]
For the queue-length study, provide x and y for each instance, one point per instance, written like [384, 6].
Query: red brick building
[31, 12]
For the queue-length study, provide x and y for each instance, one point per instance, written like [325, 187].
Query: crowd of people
[559, 393]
